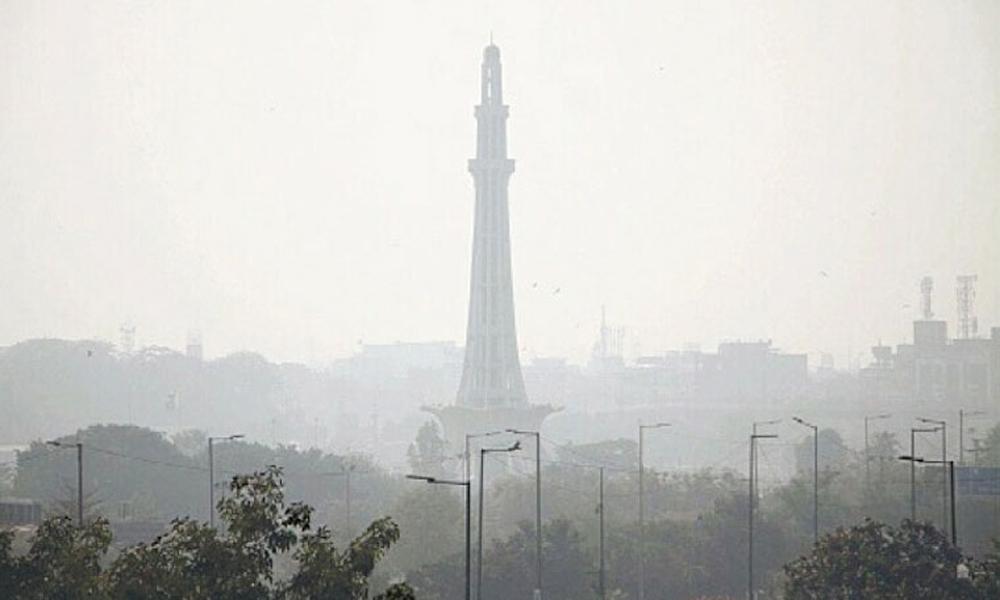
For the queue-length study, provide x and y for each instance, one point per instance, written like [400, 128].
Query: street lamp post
[944, 456]
[467, 484]
[211, 473]
[642, 508]
[79, 476]
[951, 479]
[815, 430]
[538, 508]
[750, 501]
[479, 546]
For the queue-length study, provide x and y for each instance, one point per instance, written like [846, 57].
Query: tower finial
[491, 37]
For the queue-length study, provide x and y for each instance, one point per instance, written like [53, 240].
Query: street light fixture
[479, 534]
[642, 507]
[756, 473]
[211, 473]
[538, 507]
[815, 475]
[467, 484]
[951, 478]
[79, 476]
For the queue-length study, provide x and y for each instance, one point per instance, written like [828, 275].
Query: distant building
[935, 370]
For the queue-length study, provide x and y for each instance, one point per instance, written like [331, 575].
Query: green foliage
[195, 562]
[873, 560]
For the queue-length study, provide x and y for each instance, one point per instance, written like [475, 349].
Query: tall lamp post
[868, 458]
[642, 507]
[538, 507]
[750, 501]
[211, 473]
[815, 430]
[951, 479]
[467, 484]
[79, 476]
[479, 546]
[944, 456]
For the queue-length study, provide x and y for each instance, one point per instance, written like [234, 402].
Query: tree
[873, 560]
[426, 455]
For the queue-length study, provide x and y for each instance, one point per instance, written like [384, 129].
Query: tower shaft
[491, 375]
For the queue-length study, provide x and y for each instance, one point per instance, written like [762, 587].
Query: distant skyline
[285, 180]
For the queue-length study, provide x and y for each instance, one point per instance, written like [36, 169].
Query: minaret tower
[491, 376]
[491, 396]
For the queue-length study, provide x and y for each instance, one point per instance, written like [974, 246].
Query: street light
[642, 508]
[538, 507]
[815, 475]
[750, 501]
[913, 468]
[479, 550]
[868, 458]
[951, 479]
[944, 456]
[79, 476]
[468, 455]
[211, 474]
[467, 484]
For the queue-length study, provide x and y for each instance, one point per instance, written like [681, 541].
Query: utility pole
[538, 507]
[479, 549]
[467, 484]
[750, 506]
[600, 507]
[815, 430]
[79, 476]
[211, 474]
[642, 508]
[944, 457]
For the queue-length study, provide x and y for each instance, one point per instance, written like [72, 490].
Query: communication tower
[966, 292]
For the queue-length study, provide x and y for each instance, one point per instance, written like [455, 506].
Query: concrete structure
[935, 371]
[491, 394]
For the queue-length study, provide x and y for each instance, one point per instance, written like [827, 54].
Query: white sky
[290, 177]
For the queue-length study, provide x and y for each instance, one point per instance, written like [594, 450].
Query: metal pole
[600, 507]
[954, 523]
[468, 539]
[642, 522]
[79, 484]
[961, 436]
[913, 476]
[944, 481]
[211, 485]
[815, 485]
[538, 515]
[753, 441]
[479, 532]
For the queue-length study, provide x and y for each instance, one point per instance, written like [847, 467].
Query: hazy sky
[290, 177]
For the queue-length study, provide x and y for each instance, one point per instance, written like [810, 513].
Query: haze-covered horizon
[294, 181]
